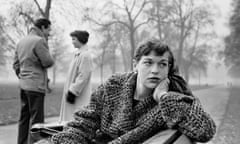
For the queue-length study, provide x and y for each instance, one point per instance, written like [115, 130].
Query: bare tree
[232, 44]
[181, 24]
[100, 60]
[4, 45]
[128, 15]
[46, 11]
[59, 51]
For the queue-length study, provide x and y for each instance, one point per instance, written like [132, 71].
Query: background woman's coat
[78, 82]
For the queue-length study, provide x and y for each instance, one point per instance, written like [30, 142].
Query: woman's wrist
[160, 95]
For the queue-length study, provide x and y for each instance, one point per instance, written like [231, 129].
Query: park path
[214, 101]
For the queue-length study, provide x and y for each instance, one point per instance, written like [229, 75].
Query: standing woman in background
[77, 87]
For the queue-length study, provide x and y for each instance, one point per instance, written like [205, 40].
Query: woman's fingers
[161, 89]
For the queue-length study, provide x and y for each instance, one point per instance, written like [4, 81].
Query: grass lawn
[10, 102]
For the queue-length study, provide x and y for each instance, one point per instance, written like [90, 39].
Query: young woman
[129, 108]
[77, 89]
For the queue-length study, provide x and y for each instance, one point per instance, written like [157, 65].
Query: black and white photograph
[119, 71]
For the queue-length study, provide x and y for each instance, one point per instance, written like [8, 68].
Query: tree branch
[140, 10]
[39, 8]
[27, 16]
[131, 9]
[147, 21]
[47, 9]
[109, 23]
[114, 4]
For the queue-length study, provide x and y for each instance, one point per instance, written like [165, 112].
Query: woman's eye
[147, 62]
[163, 65]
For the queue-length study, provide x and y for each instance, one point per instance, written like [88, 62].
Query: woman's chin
[152, 85]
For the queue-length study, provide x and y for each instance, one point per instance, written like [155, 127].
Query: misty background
[202, 34]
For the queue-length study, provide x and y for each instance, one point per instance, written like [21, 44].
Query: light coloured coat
[78, 82]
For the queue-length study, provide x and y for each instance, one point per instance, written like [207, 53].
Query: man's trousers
[32, 111]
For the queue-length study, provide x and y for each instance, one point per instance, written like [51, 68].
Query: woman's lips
[154, 79]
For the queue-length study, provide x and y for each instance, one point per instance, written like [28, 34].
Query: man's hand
[17, 72]
[70, 97]
[161, 89]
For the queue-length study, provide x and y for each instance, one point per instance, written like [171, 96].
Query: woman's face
[76, 43]
[152, 69]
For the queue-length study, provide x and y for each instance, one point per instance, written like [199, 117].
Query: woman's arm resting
[187, 115]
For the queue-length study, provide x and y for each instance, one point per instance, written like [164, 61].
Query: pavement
[214, 101]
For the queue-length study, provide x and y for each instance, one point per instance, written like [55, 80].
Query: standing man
[31, 60]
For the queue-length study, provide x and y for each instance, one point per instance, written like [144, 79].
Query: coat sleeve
[83, 74]
[187, 115]
[42, 52]
[177, 111]
[151, 124]
[86, 121]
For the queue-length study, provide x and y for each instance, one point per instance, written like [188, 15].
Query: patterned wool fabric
[113, 116]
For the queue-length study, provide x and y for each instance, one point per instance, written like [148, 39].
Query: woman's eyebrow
[147, 58]
[164, 60]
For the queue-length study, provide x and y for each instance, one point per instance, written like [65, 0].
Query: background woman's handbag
[41, 131]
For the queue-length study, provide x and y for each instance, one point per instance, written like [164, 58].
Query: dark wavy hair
[177, 83]
[42, 22]
[82, 36]
[159, 48]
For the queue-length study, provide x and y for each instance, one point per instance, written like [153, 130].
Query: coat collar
[125, 110]
[82, 49]
[125, 115]
[36, 31]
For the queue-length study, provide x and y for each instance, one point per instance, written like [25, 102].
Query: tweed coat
[113, 116]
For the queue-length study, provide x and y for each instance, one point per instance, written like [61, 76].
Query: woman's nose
[155, 68]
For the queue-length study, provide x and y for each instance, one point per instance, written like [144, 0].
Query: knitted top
[113, 116]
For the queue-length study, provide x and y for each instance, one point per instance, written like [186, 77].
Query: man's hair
[42, 22]
[159, 48]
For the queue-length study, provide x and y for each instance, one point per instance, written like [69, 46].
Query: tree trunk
[132, 42]
[186, 74]
[102, 64]
[54, 74]
[113, 63]
[125, 58]
[180, 50]
[48, 8]
[159, 20]
[199, 78]
[101, 72]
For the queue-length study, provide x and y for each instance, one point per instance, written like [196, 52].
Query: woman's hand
[161, 89]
